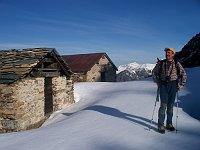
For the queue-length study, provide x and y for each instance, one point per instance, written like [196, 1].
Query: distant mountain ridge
[134, 71]
[189, 56]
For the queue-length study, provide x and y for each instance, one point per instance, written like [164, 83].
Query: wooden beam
[47, 74]
[47, 69]
[49, 60]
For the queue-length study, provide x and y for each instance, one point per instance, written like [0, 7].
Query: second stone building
[93, 67]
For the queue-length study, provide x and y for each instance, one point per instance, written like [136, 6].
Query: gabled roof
[84, 62]
[16, 64]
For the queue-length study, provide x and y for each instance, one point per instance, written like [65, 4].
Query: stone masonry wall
[94, 75]
[23, 106]
[7, 112]
[79, 77]
[70, 92]
[22, 103]
[31, 92]
[62, 92]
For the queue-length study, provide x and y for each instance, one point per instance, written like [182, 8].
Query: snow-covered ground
[110, 116]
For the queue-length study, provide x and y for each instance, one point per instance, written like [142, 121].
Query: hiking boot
[170, 127]
[161, 129]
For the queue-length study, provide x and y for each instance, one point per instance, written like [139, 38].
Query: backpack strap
[160, 68]
[176, 65]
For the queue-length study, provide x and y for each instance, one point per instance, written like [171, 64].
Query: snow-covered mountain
[134, 71]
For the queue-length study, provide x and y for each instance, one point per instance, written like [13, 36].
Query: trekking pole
[157, 100]
[177, 100]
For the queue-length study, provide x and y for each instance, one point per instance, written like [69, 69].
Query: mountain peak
[134, 71]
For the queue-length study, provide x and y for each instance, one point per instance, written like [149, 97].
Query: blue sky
[127, 30]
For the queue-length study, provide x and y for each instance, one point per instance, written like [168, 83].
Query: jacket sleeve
[155, 73]
[183, 75]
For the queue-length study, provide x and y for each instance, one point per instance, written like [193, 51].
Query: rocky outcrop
[189, 56]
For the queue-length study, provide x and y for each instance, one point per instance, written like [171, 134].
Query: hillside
[189, 56]
[112, 116]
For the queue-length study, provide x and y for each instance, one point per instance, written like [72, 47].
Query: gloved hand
[180, 85]
[158, 84]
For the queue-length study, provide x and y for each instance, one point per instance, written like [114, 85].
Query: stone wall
[22, 104]
[79, 77]
[62, 92]
[6, 106]
[94, 75]
[70, 93]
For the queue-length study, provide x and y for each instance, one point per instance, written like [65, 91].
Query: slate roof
[84, 62]
[16, 64]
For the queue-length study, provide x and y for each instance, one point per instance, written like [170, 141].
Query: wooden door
[48, 104]
[103, 76]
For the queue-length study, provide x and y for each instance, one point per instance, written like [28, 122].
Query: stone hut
[33, 83]
[93, 67]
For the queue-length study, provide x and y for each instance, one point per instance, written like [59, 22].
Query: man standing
[170, 76]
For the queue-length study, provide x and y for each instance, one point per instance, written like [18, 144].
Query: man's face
[169, 55]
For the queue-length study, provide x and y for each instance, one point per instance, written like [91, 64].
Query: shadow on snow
[140, 121]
